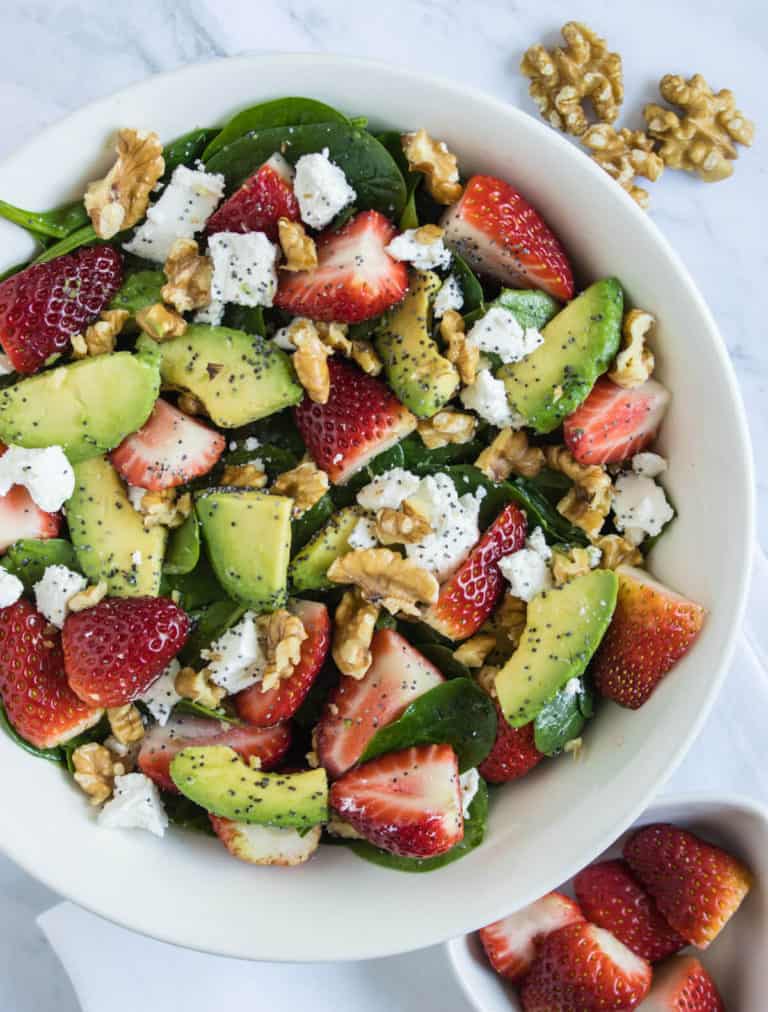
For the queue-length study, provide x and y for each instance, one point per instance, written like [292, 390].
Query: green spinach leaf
[470, 286]
[279, 112]
[210, 622]
[560, 720]
[139, 289]
[57, 223]
[199, 710]
[310, 522]
[186, 150]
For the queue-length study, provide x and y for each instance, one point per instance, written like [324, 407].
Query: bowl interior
[184, 889]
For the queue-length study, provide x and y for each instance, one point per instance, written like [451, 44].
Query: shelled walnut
[386, 578]
[120, 199]
[353, 628]
[625, 154]
[436, 162]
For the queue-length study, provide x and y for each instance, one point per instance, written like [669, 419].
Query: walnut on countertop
[625, 154]
[120, 199]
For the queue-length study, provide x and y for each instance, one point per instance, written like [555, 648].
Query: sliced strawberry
[170, 449]
[266, 708]
[408, 802]
[514, 752]
[357, 708]
[583, 967]
[355, 278]
[21, 517]
[500, 234]
[42, 306]
[33, 686]
[266, 844]
[697, 887]
[470, 595]
[116, 649]
[261, 201]
[612, 898]
[651, 629]
[511, 943]
[614, 423]
[161, 744]
[683, 985]
[361, 419]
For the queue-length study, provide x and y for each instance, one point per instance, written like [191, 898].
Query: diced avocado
[109, 536]
[563, 629]
[139, 290]
[579, 344]
[29, 558]
[238, 377]
[215, 777]
[248, 537]
[308, 568]
[420, 376]
[87, 407]
[530, 307]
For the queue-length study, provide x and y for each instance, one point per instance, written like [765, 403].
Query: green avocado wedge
[309, 566]
[29, 558]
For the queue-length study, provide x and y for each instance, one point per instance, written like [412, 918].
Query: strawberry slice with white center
[357, 708]
[355, 278]
[408, 803]
[510, 944]
[170, 449]
[259, 203]
[683, 985]
[499, 234]
[21, 517]
[362, 419]
[614, 423]
[266, 844]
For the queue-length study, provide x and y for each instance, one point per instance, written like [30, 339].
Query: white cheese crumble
[469, 783]
[538, 543]
[450, 296]
[640, 507]
[650, 465]
[5, 365]
[11, 588]
[161, 697]
[251, 443]
[212, 314]
[235, 659]
[454, 524]
[135, 804]
[499, 333]
[363, 534]
[487, 397]
[594, 555]
[186, 203]
[527, 570]
[52, 592]
[283, 337]
[135, 496]
[45, 473]
[321, 189]
[244, 268]
[389, 489]
[424, 256]
[572, 687]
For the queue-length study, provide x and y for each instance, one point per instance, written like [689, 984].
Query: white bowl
[185, 889]
[737, 824]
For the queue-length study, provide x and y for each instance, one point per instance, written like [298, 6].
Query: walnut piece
[634, 364]
[567, 565]
[120, 199]
[562, 79]
[95, 771]
[509, 453]
[625, 154]
[486, 679]
[197, 686]
[459, 351]
[702, 139]
[588, 502]
[306, 484]
[190, 404]
[283, 635]
[189, 277]
[99, 338]
[164, 508]
[386, 578]
[310, 360]
[88, 598]
[447, 426]
[354, 625]
[364, 355]
[617, 551]
[160, 323]
[244, 476]
[435, 161]
[473, 651]
[405, 526]
[507, 623]
[126, 723]
[298, 248]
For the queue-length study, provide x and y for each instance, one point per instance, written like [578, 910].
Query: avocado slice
[215, 777]
[87, 407]
[563, 630]
[579, 344]
[238, 377]
[309, 566]
[422, 378]
[248, 537]
[109, 536]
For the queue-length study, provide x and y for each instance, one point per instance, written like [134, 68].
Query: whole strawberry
[43, 306]
[115, 650]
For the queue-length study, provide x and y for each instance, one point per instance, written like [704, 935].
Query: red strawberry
[651, 629]
[469, 596]
[357, 708]
[170, 449]
[264, 197]
[161, 744]
[355, 278]
[613, 423]
[612, 898]
[408, 802]
[500, 234]
[266, 844]
[583, 967]
[21, 517]
[514, 752]
[115, 650]
[683, 985]
[266, 708]
[42, 306]
[510, 944]
[697, 887]
[361, 419]
[33, 686]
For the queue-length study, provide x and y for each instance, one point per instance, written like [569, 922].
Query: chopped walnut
[120, 200]
[473, 651]
[588, 502]
[624, 154]
[298, 247]
[310, 361]
[162, 508]
[405, 526]
[354, 625]
[126, 723]
[617, 551]
[440, 167]
[334, 336]
[160, 323]
[283, 635]
[460, 352]
[386, 578]
[197, 686]
[702, 139]
[562, 79]
[364, 355]
[486, 679]
[190, 404]
[568, 565]
[507, 623]
[88, 598]
[509, 453]
[189, 277]
[428, 234]
[635, 362]
[99, 338]
[95, 771]
[447, 426]
[306, 484]
[244, 476]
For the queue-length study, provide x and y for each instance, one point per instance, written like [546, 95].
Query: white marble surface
[58, 56]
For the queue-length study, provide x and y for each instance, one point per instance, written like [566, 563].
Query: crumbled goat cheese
[499, 333]
[11, 588]
[321, 189]
[594, 555]
[53, 591]
[135, 804]
[161, 697]
[244, 268]
[235, 660]
[390, 489]
[424, 256]
[469, 783]
[251, 443]
[649, 465]
[135, 496]
[283, 337]
[450, 296]
[454, 524]
[640, 507]
[572, 687]
[363, 534]
[527, 570]
[182, 210]
[45, 473]
[487, 397]
[212, 314]
[5, 366]
[538, 543]
[119, 748]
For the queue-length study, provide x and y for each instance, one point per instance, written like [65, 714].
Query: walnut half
[283, 633]
[188, 276]
[588, 502]
[436, 162]
[120, 200]
[306, 484]
[354, 625]
[95, 771]
[386, 578]
[509, 453]
[635, 362]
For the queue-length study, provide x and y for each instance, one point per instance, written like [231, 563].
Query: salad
[325, 493]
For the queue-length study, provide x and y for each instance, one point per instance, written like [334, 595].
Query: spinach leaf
[393, 457]
[274, 458]
[84, 236]
[186, 814]
[470, 286]
[409, 218]
[197, 588]
[199, 710]
[386, 621]
[57, 223]
[139, 289]
[561, 719]
[247, 318]
[421, 461]
[97, 733]
[209, 623]
[183, 552]
[531, 308]
[278, 429]
[51, 754]
[442, 657]
[29, 558]
[310, 522]
[391, 140]
[186, 150]
[553, 485]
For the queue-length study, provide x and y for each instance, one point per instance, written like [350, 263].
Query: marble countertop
[58, 56]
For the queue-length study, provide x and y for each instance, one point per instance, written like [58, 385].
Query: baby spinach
[139, 289]
[97, 733]
[421, 461]
[562, 719]
[210, 622]
[51, 754]
[278, 429]
[275, 459]
[310, 522]
[391, 140]
[197, 588]
[442, 657]
[471, 288]
[183, 552]
[186, 150]
[457, 713]
[29, 558]
[247, 318]
[186, 814]
[57, 223]
[199, 710]
[84, 236]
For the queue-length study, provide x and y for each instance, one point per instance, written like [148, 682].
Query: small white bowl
[734, 958]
